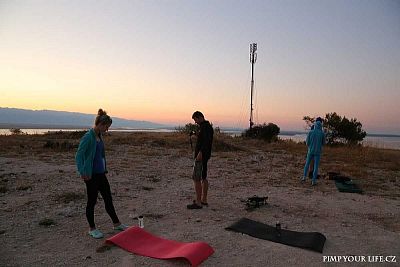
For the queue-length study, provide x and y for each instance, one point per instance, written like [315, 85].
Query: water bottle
[140, 221]
[278, 228]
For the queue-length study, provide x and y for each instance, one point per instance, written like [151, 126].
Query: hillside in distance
[25, 118]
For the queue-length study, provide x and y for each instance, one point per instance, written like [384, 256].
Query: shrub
[47, 222]
[268, 132]
[66, 134]
[188, 128]
[3, 189]
[24, 187]
[191, 128]
[340, 130]
[62, 146]
[16, 131]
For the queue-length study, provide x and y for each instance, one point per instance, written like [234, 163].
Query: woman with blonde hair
[91, 162]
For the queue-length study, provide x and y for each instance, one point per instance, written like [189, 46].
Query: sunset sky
[161, 60]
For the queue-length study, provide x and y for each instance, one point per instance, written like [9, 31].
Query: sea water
[378, 141]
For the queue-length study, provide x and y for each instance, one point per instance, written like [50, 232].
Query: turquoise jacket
[85, 155]
[315, 139]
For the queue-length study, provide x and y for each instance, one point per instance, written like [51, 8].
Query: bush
[340, 130]
[60, 145]
[47, 222]
[3, 189]
[66, 134]
[268, 132]
[188, 128]
[16, 131]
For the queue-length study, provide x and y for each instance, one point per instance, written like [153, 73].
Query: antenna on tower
[253, 59]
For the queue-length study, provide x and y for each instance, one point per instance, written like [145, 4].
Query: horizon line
[162, 125]
[8, 126]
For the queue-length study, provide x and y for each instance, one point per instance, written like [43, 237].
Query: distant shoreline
[384, 141]
[228, 130]
[40, 126]
[6, 126]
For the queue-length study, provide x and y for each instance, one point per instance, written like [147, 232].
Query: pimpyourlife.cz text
[376, 259]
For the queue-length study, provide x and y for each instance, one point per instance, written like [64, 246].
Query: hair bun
[101, 112]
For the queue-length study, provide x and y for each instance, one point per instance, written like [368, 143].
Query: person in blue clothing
[91, 162]
[311, 168]
[315, 140]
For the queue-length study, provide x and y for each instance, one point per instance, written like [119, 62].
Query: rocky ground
[42, 200]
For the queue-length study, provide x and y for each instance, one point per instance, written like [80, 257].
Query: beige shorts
[197, 170]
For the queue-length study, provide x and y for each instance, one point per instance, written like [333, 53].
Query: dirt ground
[42, 201]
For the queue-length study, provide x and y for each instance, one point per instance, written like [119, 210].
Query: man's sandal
[194, 206]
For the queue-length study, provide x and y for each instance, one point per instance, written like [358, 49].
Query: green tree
[16, 131]
[340, 129]
[352, 131]
[192, 128]
[268, 132]
[188, 128]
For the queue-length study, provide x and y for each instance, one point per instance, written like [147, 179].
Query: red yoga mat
[138, 241]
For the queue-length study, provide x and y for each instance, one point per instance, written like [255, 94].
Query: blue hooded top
[86, 153]
[315, 139]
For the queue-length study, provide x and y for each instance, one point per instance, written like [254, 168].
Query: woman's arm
[80, 155]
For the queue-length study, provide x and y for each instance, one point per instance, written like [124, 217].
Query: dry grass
[166, 140]
[69, 196]
[377, 170]
[150, 175]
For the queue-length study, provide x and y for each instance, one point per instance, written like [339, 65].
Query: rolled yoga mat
[348, 187]
[313, 240]
[138, 241]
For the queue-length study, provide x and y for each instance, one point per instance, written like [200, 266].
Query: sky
[160, 60]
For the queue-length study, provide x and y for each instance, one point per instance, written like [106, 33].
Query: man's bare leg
[204, 186]
[198, 189]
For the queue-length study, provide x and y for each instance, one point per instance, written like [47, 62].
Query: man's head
[319, 119]
[198, 117]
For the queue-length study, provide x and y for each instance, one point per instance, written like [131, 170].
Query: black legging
[97, 183]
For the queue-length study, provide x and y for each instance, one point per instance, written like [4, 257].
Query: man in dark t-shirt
[201, 155]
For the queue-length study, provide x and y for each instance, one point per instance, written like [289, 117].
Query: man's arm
[206, 145]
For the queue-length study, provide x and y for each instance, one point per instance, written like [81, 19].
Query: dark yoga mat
[341, 178]
[348, 187]
[312, 240]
